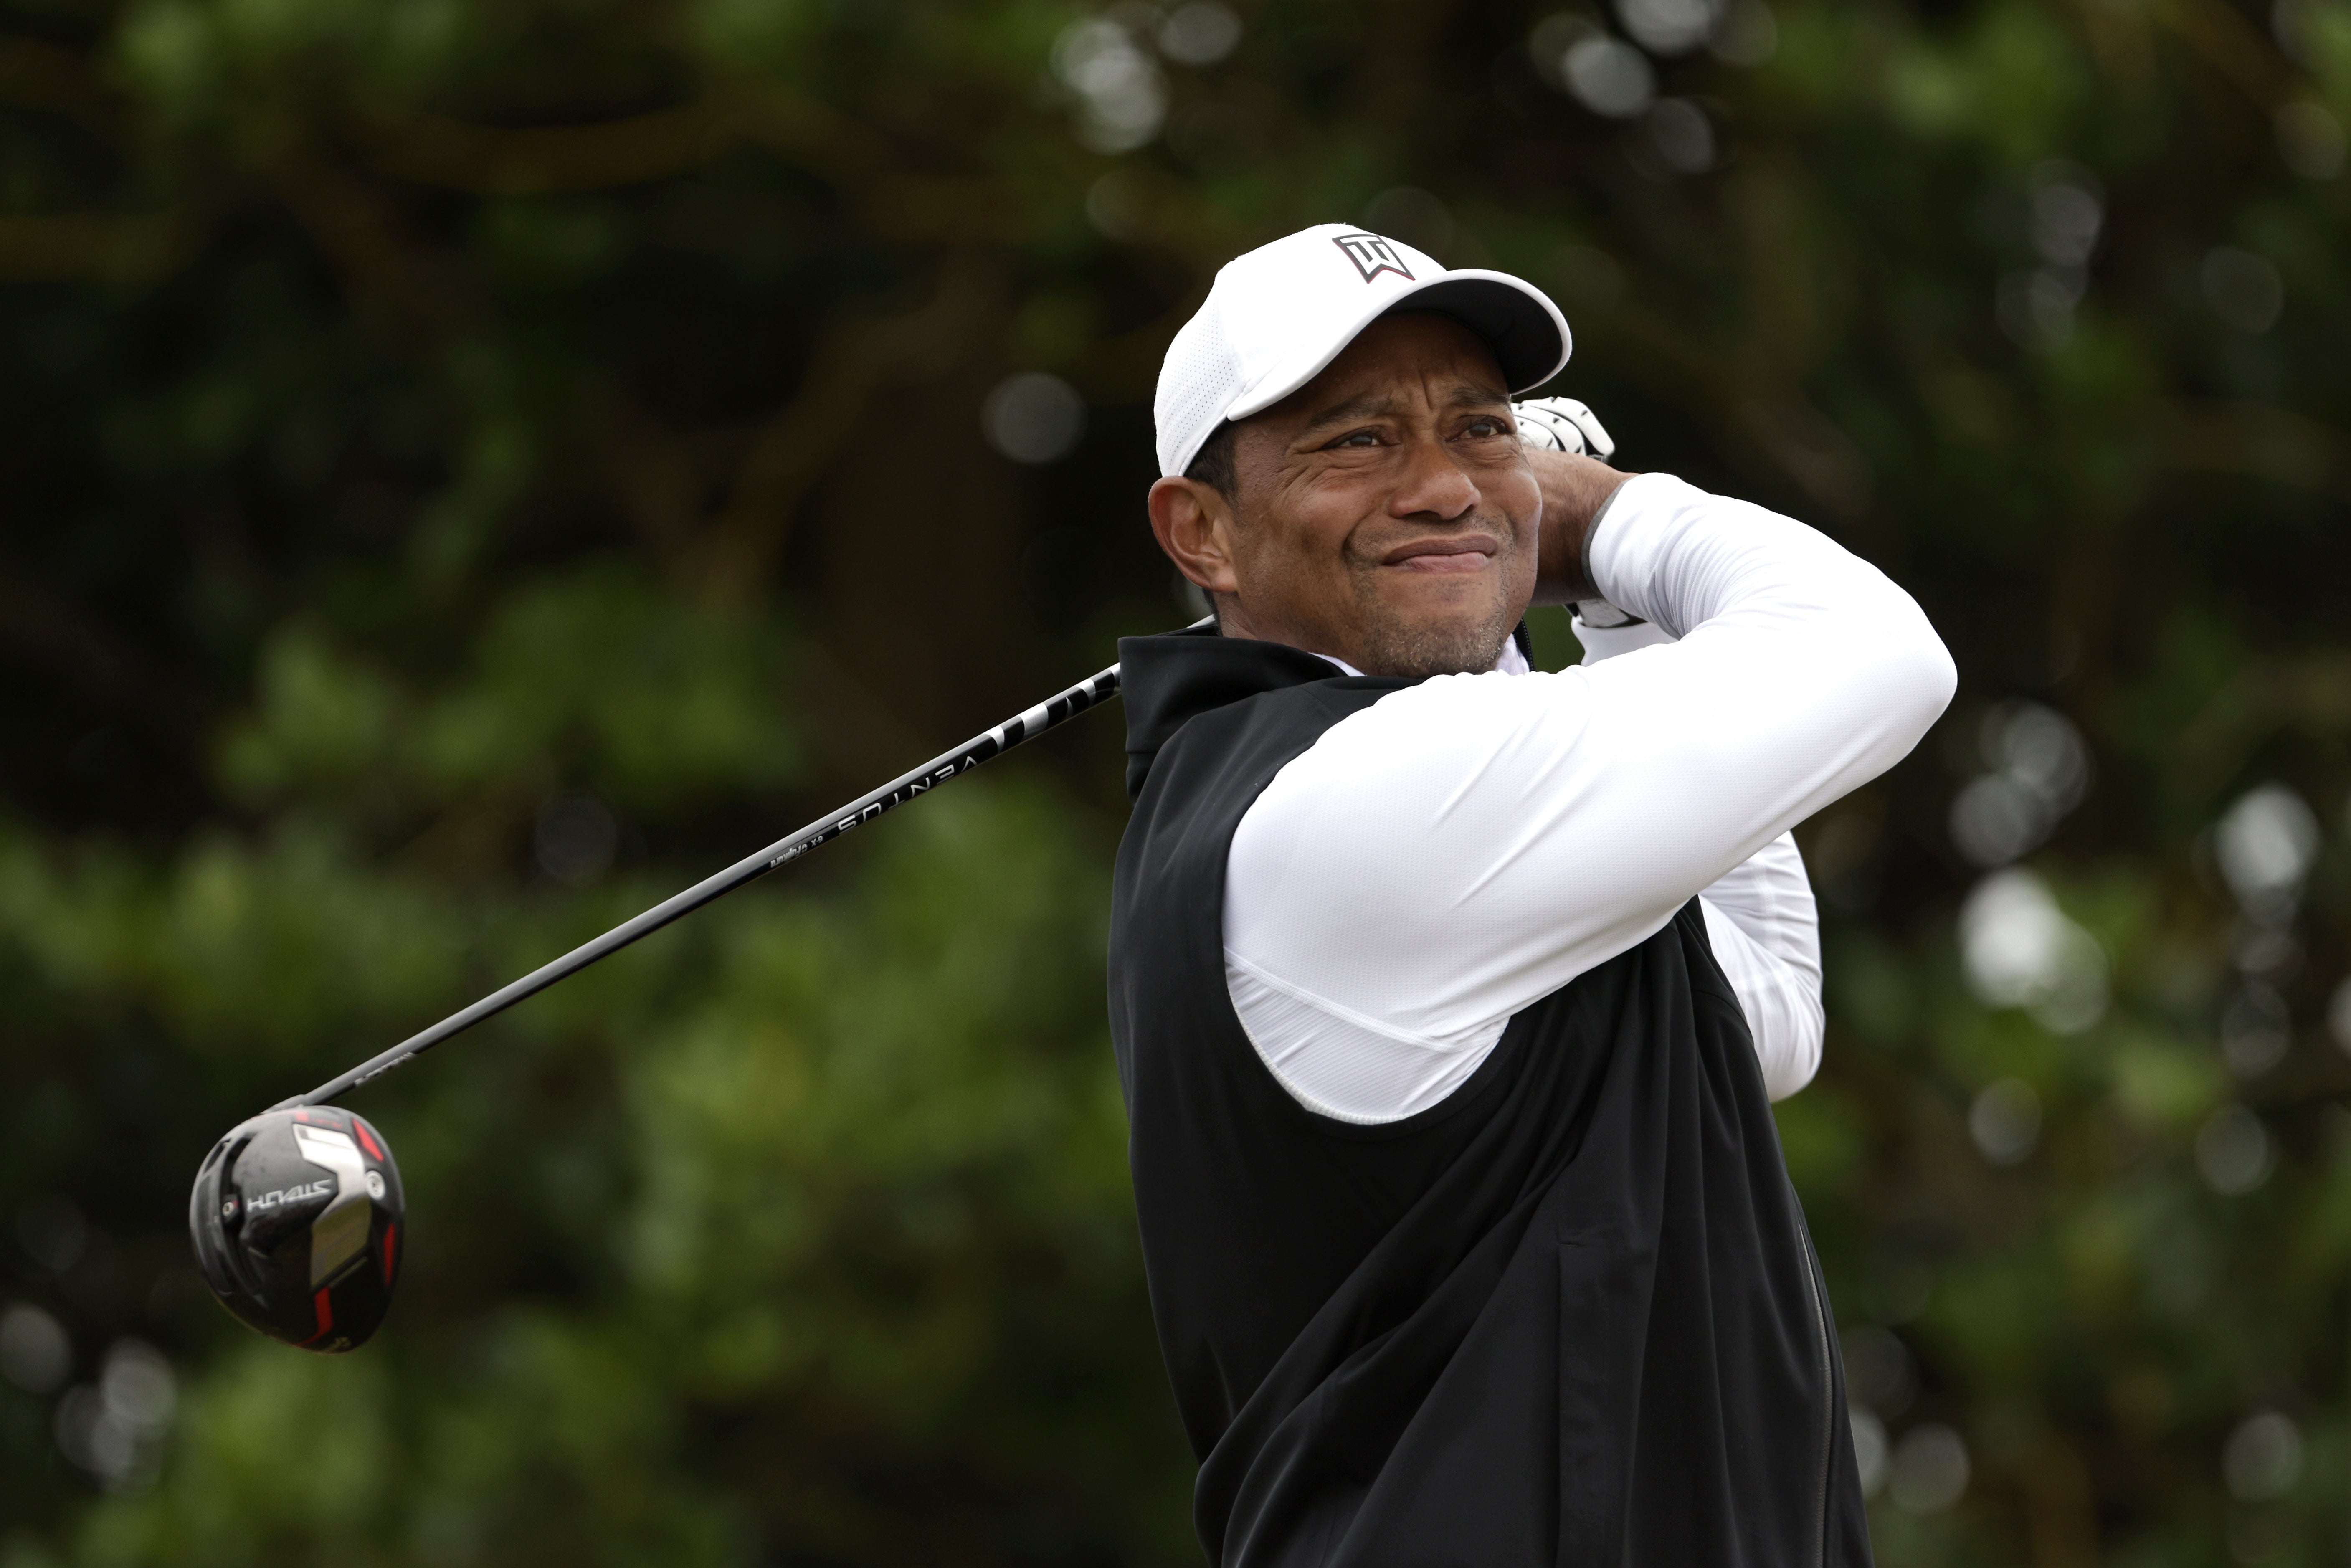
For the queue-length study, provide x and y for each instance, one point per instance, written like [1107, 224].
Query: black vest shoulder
[1569, 1316]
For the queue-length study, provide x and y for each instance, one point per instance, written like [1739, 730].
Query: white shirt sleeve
[1762, 922]
[1462, 848]
[1765, 930]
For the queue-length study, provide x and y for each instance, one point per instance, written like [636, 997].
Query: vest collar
[1171, 677]
[1168, 679]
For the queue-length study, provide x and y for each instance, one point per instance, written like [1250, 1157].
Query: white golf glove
[1562, 425]
[1566, 425]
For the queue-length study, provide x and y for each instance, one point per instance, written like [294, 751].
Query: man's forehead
[1397, 362]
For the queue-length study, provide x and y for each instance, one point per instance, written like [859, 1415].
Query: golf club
[296, 1213]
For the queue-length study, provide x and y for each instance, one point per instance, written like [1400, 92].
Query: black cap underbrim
[1525, 337]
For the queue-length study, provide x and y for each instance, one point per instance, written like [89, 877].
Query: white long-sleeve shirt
[1464, 847]
[1763, 923]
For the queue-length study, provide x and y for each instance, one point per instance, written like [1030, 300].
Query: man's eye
[1485, 427]
[1358, 438]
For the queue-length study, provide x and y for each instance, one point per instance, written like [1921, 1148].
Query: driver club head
[297, 1218]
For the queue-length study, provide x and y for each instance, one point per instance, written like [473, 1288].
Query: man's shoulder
[1210, 691]
[1243, 743]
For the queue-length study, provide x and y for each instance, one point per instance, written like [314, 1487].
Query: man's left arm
[1765, 930]
[1761, 921]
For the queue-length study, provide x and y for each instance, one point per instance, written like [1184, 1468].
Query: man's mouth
[1470, 552]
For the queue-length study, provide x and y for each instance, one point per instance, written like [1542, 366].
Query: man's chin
[1419, 646]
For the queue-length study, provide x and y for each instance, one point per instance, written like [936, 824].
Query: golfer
[1449, 998]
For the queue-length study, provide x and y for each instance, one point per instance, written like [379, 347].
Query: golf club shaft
[947, 764]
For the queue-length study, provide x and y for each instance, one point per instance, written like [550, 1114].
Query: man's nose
[1433, 484]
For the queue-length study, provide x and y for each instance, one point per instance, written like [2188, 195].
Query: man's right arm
[1575, 490]
[1458, 849]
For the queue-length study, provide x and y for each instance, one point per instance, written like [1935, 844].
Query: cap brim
[1528, 337]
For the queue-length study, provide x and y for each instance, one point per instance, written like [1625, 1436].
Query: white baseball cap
[1279, 314]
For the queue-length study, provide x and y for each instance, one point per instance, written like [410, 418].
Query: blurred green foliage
[473, 468]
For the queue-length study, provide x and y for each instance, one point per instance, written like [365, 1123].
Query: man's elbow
[1936, 676]
[1912, 676]
[1793, 1067]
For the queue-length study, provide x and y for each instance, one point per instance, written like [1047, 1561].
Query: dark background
[472, 468]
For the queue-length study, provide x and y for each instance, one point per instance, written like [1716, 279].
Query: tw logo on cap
[1373, 256]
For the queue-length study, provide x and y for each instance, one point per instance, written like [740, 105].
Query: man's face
[1385, 512]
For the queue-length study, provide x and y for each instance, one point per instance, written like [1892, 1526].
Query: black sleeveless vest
[1571, 1315]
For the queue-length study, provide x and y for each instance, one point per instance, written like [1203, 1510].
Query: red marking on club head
[324, 1304]
[391, 1232]
[360, 1128]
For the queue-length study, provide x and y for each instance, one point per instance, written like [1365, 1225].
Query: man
[1468, 1236]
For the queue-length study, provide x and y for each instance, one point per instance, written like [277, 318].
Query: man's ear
[1194, 524]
